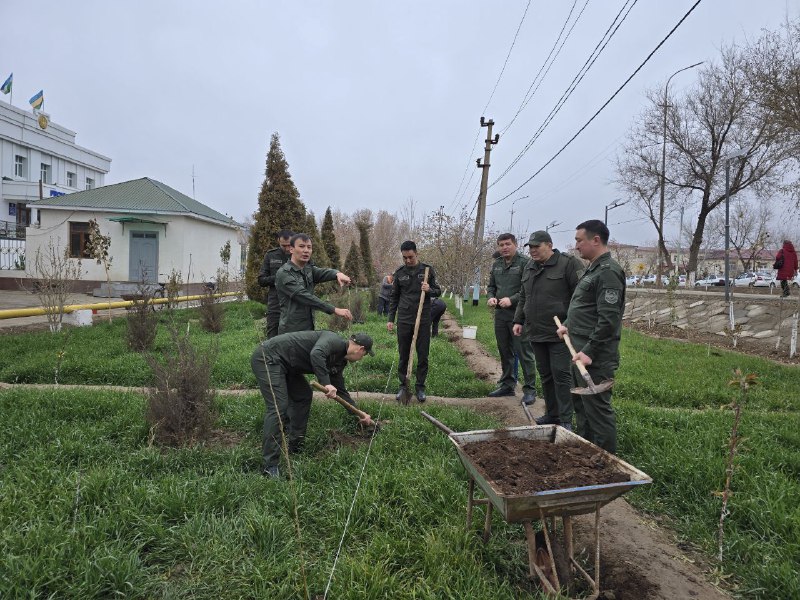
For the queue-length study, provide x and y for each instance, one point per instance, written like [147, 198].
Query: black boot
[401, 393]
[421, 397]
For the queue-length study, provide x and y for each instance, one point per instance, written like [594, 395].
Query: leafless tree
[52, 278]
[749, 225]
[714, 119]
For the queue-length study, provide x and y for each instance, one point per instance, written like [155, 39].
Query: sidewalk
[21, 299]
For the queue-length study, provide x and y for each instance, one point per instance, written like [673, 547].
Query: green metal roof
[141, 195]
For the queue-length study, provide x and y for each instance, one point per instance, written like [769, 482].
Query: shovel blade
[405, 396]
[598, 388]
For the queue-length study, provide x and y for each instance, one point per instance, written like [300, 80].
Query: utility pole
[479, 220]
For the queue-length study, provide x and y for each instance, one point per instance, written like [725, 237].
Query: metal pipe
[437, 422]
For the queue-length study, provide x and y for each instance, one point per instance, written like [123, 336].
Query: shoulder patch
[611, 296]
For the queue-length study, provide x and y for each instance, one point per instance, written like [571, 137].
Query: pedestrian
[407, 287]
[295, 284]
[385, 295]
[281, 364]
[274, 259]
[786, 263]
[505, 281]
[548, 281]
[438, 307]
[594, 323]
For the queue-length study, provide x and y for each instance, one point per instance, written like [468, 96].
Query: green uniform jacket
[274, 259]
[406, 288]
[296, 294]
[594, 317]
[505, 281]
[545, 293]
[319, 352]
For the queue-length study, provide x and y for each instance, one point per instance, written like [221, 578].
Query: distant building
[643, 260]
[38, 159]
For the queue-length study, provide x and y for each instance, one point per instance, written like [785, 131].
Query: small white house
[153, 229]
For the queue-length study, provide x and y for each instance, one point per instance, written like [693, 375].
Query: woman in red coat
[786, 263]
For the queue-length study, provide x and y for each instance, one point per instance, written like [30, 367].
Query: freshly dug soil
[520, 466]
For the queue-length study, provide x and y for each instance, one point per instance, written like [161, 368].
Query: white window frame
[90, 183]
[46, 173]
[20, 166]
[72, 179]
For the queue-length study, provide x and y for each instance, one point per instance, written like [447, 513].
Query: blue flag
[6, 88]
[38, 100]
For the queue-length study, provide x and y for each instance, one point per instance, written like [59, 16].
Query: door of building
[143, 265]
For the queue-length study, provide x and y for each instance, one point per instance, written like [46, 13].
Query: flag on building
[7, 84]
[38, 100]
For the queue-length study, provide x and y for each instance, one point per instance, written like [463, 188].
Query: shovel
[359, 413]
[592, 387]
[405, 392]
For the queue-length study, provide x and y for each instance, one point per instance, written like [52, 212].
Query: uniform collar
[604, 257]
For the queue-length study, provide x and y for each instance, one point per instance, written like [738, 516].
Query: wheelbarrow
[549, 504]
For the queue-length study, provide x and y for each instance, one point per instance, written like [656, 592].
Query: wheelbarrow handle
[568, 341]
[437, 422]
[359, 413]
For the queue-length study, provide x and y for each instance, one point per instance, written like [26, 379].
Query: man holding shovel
[280, 365]
[410, 293]
[594, 322]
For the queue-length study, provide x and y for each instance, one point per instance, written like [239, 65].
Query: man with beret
[594, 323]
[505, 281]
[548, 282]
[280, 365]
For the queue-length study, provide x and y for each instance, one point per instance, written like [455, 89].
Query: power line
[494, 89]
[605, 104]
[587, 65]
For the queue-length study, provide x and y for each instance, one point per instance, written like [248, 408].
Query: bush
[180, 405]
[142, 323]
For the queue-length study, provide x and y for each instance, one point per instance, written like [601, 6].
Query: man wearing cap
[280, 365]
[505, 281]
[295, 283]
[548, 282]
[274, 259]
[594, 323]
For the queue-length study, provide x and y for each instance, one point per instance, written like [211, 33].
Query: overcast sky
[375, 102]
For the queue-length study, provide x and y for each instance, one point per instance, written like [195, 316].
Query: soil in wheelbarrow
[519, 466]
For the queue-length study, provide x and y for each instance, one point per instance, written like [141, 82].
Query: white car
[718, 280]
[744, 279]
[794, 282]
[632, 280]
[763, 279]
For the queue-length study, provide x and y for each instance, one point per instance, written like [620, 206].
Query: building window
[78, 240]
[89, 183]
[46, 173]
[19, 166]
[72, 179]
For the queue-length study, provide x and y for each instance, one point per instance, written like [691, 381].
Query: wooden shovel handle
[568, 342]
[416, 328]
[359, 413]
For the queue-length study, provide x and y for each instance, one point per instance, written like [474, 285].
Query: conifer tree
[352, 265]
[329, 240]
[367, 268]
[319, 257]
[279, 207]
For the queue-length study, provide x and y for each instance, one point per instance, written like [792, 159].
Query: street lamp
[728, 159]
[664, 170]
[552, 224]
[511, 225]
[612, 206]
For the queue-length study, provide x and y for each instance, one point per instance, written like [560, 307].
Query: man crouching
[280, 365]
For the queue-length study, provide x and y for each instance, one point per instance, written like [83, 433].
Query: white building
[154, 229]
[33, 149]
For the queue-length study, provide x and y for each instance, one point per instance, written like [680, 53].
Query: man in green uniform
[594, 322]
[505, 281]
[274, 259]
[407, 286]
[280, 365]
[295, 284]
[548, 282]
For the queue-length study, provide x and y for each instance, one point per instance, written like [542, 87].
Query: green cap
[362, 339]
[539, 237]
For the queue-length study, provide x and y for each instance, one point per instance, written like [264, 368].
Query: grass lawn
[89, 510]
[99, 355]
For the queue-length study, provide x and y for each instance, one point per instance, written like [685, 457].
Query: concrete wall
[758, 317]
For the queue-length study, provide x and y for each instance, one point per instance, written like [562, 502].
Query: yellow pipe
[13, 313]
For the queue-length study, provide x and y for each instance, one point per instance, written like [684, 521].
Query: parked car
[711, 280]
[763, 279]
[794, 282]
[651, 279]
[745, 279]
[632, 280]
